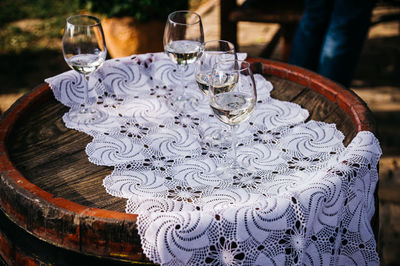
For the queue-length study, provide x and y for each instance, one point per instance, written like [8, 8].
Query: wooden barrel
[55, 210]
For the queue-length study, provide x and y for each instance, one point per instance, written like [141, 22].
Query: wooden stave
[18, 196]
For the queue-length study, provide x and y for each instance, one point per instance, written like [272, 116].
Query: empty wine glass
[214, 51]
[183, 42]
[233, 97]
[84, 50]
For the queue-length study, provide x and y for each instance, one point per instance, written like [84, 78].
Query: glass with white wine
[183, 43]
[215, 51]
[232, 102]
[84, 50]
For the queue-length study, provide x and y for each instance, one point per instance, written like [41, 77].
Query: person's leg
[344, 39]
[310, 34]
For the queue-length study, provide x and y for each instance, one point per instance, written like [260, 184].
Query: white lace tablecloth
[307, 199]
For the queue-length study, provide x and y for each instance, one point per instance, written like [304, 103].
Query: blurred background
[30, 51]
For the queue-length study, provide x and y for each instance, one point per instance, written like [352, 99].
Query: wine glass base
[87, 115]
[234, 173]
[88, 111]
[215, 146]
[219, 138]
[183, 102]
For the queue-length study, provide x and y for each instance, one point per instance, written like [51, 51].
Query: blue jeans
[330, 37]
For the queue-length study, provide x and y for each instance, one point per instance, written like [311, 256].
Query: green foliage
[33, 24]
[141, 10]
[12, 10]
[31, 34]
[16, 38]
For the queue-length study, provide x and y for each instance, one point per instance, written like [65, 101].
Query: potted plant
[134, 26]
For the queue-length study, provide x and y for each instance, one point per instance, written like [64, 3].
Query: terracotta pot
[125, 36]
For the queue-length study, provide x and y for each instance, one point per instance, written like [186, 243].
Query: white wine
[85, 63]
[184, 52]
[224, 82]
[202, 82]
[232, 108]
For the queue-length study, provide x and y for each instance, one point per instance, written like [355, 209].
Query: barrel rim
[348, 100]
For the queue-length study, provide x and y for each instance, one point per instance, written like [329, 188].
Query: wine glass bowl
[233, 97]
[213, 52]
[84, 50]
[183, 43]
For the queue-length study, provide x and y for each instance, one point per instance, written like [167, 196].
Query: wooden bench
[286, 13]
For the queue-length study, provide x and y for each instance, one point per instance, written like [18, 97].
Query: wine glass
[84, 50]
[233, 97]
[183, 43]
[214, 51]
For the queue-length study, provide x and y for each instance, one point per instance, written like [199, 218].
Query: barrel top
[46, 176]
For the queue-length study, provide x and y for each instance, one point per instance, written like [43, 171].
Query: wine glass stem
[86, 94]
[182, 80]
[235, 163]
